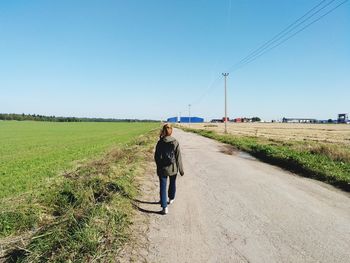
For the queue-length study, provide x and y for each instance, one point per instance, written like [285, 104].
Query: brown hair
[167, 130]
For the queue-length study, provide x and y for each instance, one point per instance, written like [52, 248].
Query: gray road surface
[230, 207]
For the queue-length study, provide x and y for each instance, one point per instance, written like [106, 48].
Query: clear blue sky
[150, 59]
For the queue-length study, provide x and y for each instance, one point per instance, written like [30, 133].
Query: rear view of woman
[169, 163]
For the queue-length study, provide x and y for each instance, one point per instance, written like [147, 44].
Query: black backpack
[167, 154]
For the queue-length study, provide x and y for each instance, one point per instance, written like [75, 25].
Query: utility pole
[189, 114]
[225, 120]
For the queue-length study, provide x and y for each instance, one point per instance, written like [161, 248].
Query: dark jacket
[171, 169]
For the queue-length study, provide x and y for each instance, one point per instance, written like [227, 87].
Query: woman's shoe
[171, 201]
[165, 211]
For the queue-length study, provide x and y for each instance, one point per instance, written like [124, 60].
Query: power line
[289, 37]
[284, 32]
[210, 86]
[268, 44]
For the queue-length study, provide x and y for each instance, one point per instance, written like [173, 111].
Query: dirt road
[230, 207]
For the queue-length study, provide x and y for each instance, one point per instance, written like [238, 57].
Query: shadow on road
[146, 210]
[146, 202]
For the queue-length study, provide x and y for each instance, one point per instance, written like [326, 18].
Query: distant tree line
[256, 119]
[37, 117]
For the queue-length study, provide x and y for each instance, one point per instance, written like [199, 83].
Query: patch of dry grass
[327, 133]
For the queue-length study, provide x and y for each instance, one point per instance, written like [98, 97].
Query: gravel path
[230, 207]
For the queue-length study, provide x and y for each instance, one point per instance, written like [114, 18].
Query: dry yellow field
[328, 133]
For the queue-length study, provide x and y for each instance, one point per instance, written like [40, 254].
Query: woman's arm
[157, 154]
[179, 160]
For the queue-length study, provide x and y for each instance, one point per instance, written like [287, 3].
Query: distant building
[245, 119]
[242, 119]
[216, 120]
[343, 118]
[185, 120]
[172, 119]
[299, 120]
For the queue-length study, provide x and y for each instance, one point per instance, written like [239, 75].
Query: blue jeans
[171, 191]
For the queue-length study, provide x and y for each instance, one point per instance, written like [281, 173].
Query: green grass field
[33, 152]
[67, 189]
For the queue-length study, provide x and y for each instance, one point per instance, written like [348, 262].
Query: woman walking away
[169, 163]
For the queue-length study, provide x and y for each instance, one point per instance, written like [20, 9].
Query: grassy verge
[325, 162]
[82, 216]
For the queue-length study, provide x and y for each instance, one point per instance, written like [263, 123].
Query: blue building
[185, 119]
[172, 119]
